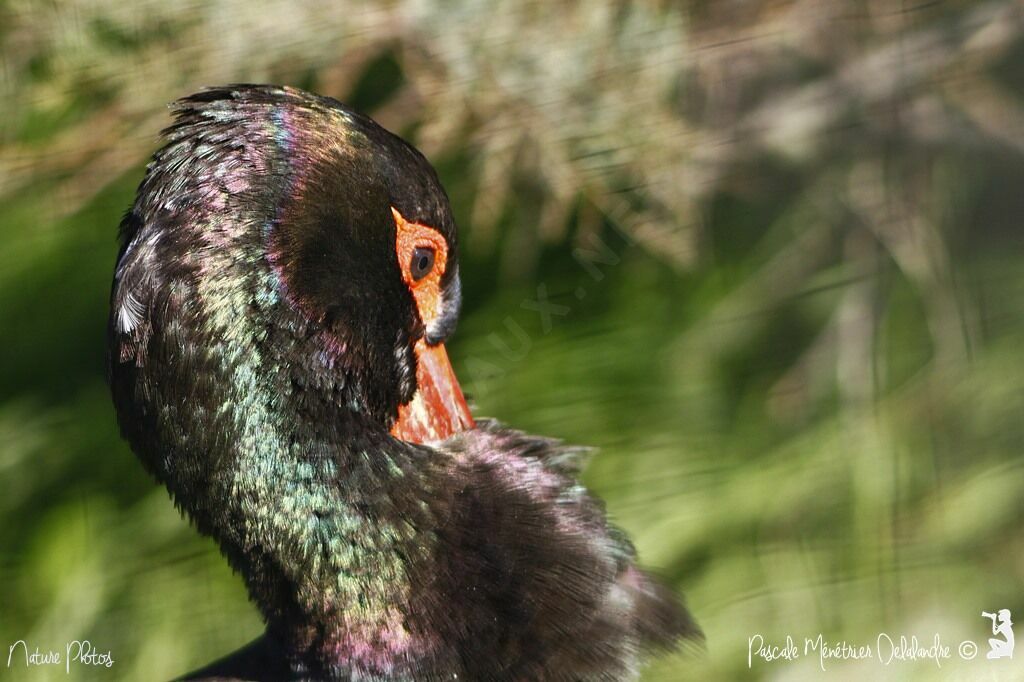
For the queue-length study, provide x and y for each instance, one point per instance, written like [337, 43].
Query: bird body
[287, 277]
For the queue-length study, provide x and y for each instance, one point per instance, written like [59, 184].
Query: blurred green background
[785, 238]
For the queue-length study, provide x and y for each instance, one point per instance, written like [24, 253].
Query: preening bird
[287, 277]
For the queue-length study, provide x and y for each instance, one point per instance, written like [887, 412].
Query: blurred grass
[800, 358]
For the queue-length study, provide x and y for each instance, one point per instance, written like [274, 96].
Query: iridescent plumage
[261, 342]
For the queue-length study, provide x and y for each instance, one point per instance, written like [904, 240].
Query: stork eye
[422, 262]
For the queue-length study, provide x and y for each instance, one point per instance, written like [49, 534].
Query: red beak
[437, 409]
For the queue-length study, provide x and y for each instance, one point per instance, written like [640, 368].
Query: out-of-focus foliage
[784, 241]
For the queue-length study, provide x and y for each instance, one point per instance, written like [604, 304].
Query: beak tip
[438, 409]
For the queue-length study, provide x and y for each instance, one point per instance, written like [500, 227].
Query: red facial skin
[438, 409]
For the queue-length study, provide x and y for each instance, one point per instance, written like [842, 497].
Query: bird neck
[326, 549]
[319, 509]
[317, 553]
